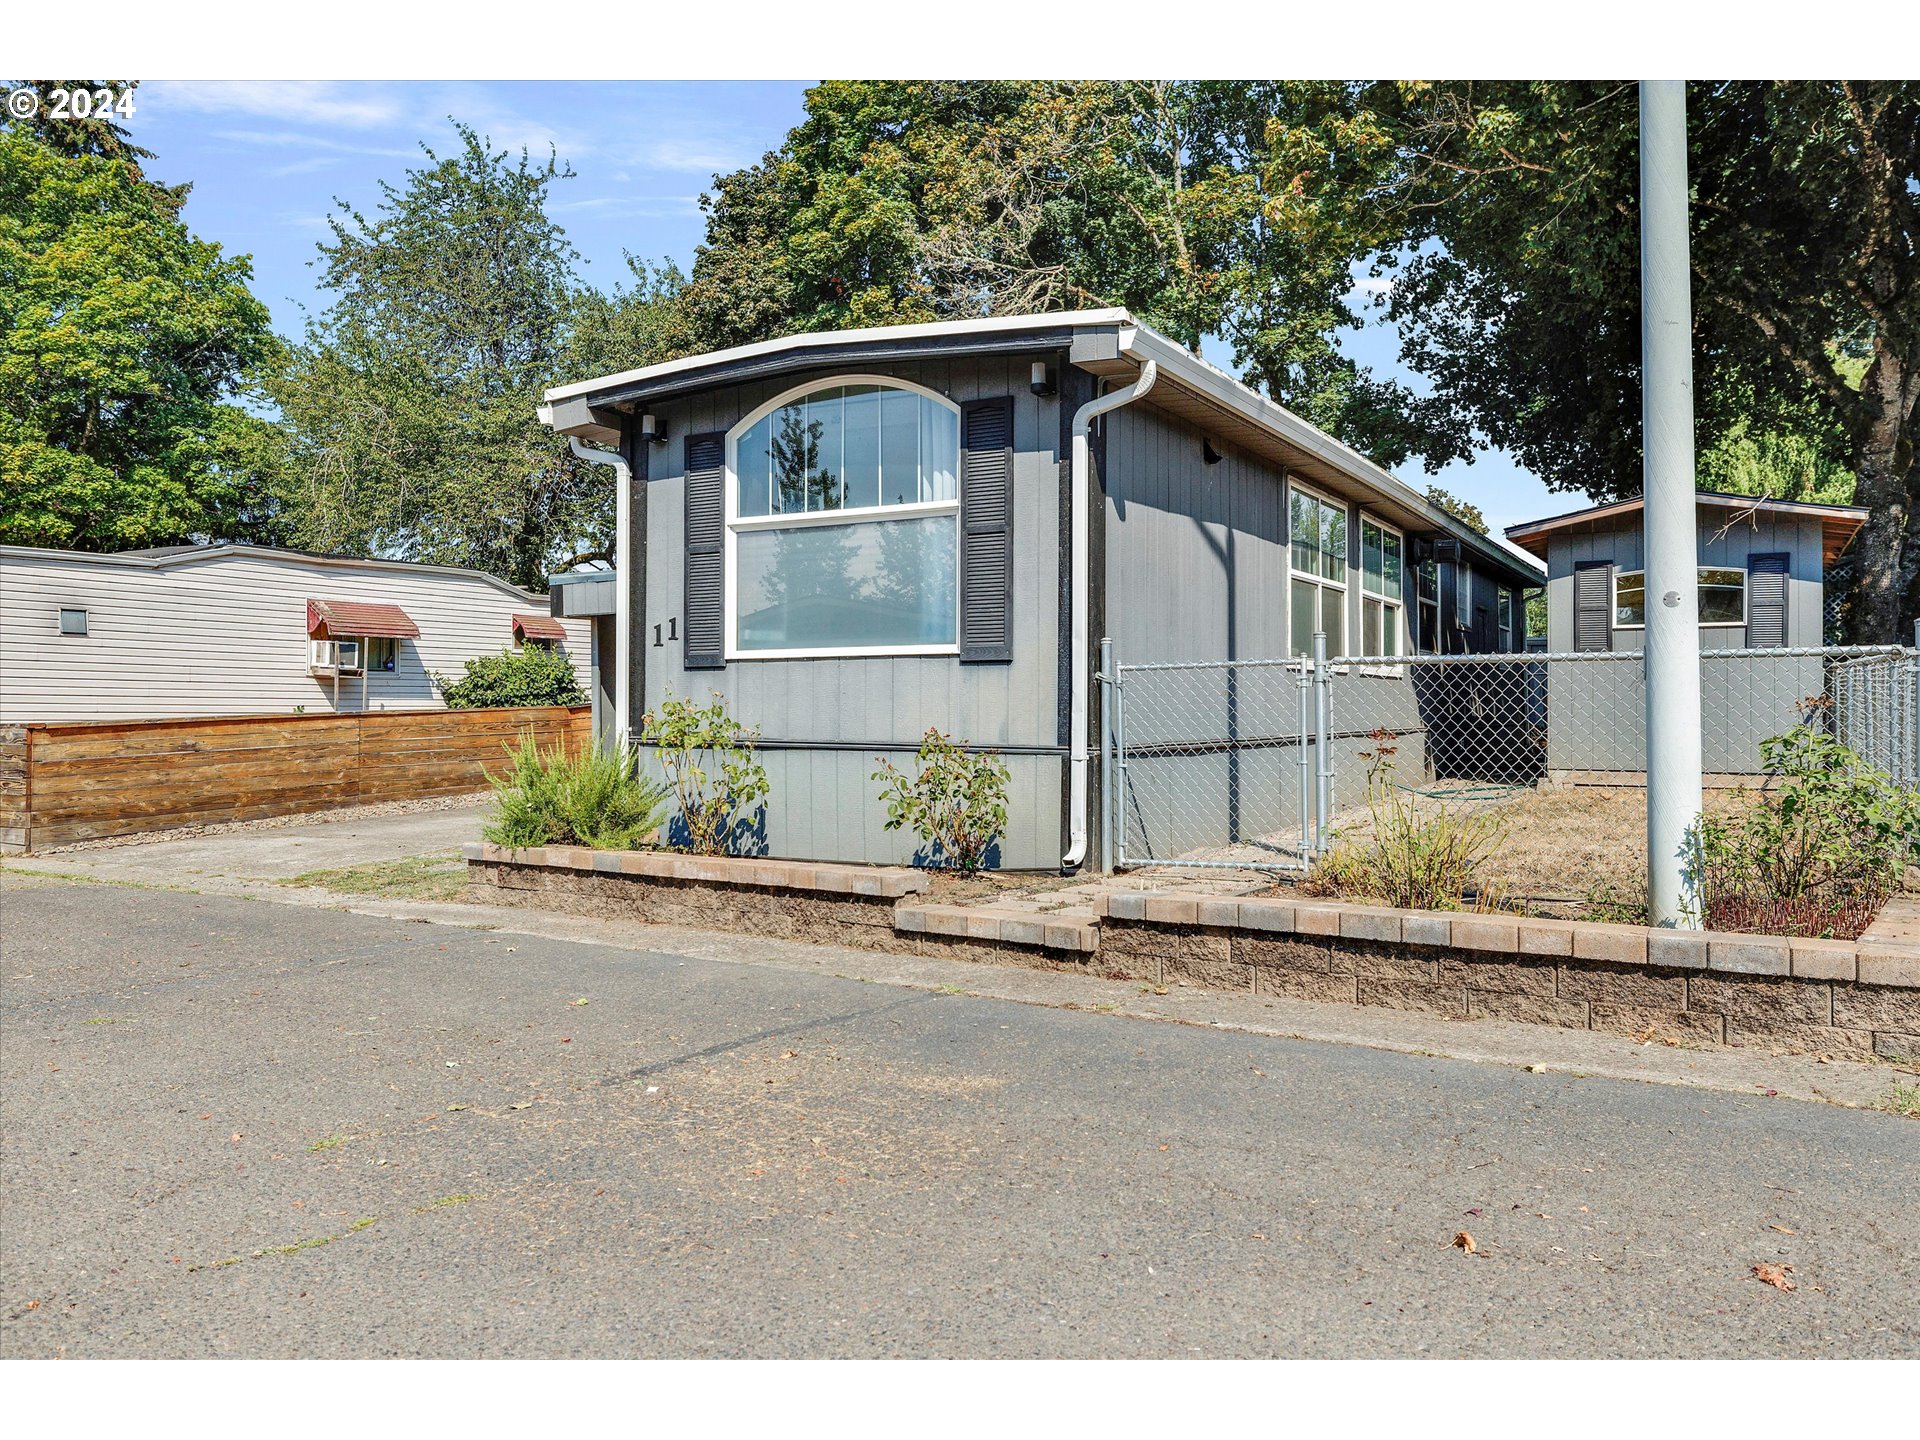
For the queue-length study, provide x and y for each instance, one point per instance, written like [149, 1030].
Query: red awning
[538, 627]
[331, 619]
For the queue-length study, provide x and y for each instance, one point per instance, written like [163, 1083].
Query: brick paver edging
[886, 882]
[1806, 995]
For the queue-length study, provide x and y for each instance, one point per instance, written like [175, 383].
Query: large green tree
[1516, 290]
[1208, 208]
[410, 405]
[124, 344]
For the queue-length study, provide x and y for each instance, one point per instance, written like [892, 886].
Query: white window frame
[1613, 615]
[1402, 635]
[737, 524]
[1295, 487]
[1503, 605]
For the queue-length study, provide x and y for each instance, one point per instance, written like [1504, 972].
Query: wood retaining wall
[87, 781]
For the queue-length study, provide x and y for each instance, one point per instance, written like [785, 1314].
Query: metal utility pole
[1672, 594]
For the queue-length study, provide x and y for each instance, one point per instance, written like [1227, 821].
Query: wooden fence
[69, 782]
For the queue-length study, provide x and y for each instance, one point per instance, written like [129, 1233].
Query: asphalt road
[236, 1128]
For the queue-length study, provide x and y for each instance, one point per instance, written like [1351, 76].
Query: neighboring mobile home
[856, 536]
[247, 630]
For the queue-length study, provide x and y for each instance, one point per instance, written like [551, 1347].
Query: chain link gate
[1209, 763]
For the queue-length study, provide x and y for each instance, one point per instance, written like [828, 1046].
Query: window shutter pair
[1766, 600]
[986, 539]
[1593, 605]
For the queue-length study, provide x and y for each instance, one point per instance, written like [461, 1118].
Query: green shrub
[535, 675]
[711, 771]
[957, 803]
[1819, 855]
[1415, 859]
[593, 798]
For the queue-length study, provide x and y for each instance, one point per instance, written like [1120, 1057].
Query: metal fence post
[1119, 769]
[1305, 686]
[1106, 753]
[1323, 789]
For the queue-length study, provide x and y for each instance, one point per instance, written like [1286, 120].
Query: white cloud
[704, 157]
[294, 140]
[319, 102]
[304, 167]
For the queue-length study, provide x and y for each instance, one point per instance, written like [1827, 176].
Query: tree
[1516, 286]
[1188, 202]
[411, 402]
[1464, 511]
[124, 342]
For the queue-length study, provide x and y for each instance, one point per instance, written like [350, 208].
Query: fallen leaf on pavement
[1783, 1229]
[1464, 1241]
[1778, 1276]
[1476, 1213]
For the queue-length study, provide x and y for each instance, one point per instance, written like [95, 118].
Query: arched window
[843, 522]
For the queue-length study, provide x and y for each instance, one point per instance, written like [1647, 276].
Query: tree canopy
[124, 342]
[410, 405]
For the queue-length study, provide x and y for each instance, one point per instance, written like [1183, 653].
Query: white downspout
[1081, 649]
[622, 619]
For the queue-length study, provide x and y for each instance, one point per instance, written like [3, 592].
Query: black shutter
[1766, 600]
[704, 623]
[986, 530]
[1593, 605]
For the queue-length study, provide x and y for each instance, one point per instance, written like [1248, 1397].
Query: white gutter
[622, 619]
[1081, 651]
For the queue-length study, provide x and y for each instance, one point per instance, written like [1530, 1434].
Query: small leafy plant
[710, 767]
[956, 803]
[594, 797]
[1819, 855]
[1416, 859]
[533, 676]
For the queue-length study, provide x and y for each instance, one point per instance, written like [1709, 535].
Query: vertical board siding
[1196, 553]
[227, 635]
[88, 781]
[823, 806]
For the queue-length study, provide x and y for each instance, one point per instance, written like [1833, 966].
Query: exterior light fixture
[651, 429]
[1042, 381]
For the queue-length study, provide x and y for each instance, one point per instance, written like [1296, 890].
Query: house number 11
[673, 632]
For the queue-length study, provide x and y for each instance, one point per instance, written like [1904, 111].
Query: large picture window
[1723, 597]
[1317, 596]
[1382, 587]
[843, 514]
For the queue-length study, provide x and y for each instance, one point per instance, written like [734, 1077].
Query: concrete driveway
[276, 852]
[235, 1128]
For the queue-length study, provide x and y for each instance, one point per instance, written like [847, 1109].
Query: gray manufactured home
[856, 536]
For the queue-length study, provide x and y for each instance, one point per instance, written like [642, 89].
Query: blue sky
[267, 159]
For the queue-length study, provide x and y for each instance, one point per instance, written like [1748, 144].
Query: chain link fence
[1250, 764]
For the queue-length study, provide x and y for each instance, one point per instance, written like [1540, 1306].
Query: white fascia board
[806, 340]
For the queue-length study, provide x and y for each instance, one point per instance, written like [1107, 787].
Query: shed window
[73, 622]
[1317, 597]
[1506, 620]
[1381, 588]
[1723, 597]
[843, 523]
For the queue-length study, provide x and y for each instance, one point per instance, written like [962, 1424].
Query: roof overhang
[1109, 343]
[328, 619]
[1838, 523]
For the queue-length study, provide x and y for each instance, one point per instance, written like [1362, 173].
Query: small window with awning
[541, 630]
[339, 632]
